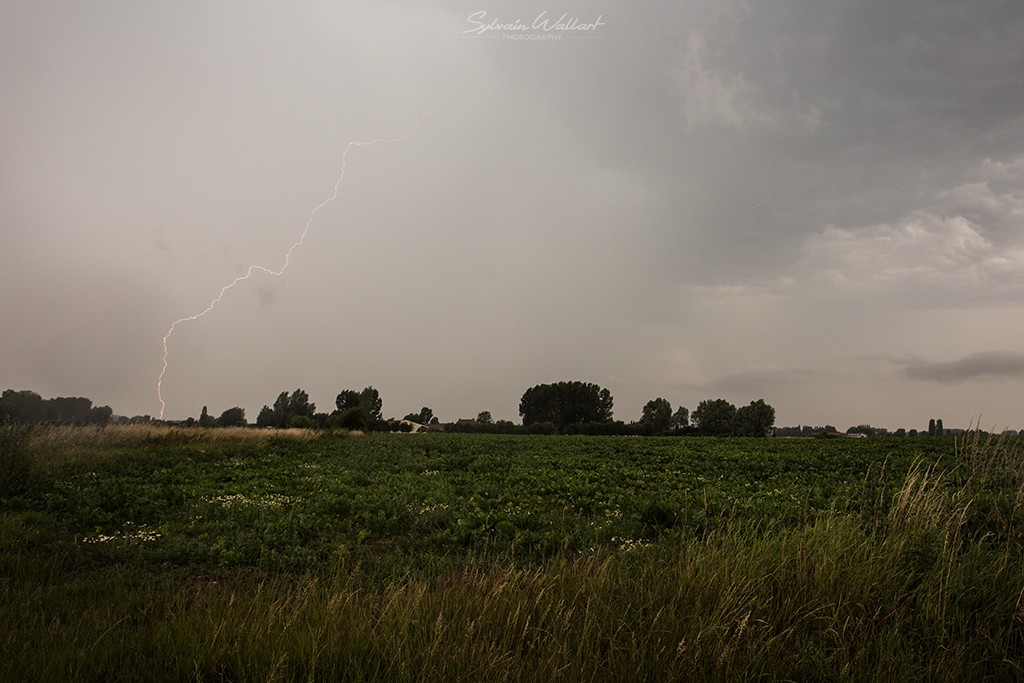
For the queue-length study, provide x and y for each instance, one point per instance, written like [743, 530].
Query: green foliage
[371, 404]
[232, 417]
[423, 417]
[348, 398]
[64, 410]
[24, 407]
[680, 419]
[352, 418]
[28, 407]
[755, 419]
[542, 428]
[566, 403]
[185, 554]
[302, 422]
[657, 416]
[205, 419]
[714, 417]
[286, 408]
[266, 418]
[99, 416]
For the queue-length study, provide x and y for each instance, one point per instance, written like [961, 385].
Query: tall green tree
[657, 415]
[67, 410]
[371, 403]
[299, 405]
[755, 419]
[266, 417]
[566, 403]
[348, 398]
[680, 418]
[99, 416]
[286, 407]
[232, 417]
[714, 416]
[205, 419]
[22, 406]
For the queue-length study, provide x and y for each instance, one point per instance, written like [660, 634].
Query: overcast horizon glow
[816, 203]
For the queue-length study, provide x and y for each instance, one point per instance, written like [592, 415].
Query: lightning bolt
[288, 255]
[763, 201]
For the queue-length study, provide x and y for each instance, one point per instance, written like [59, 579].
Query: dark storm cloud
[985, 365]
[715, 195]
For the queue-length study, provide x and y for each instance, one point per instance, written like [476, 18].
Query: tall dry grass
[130, 435]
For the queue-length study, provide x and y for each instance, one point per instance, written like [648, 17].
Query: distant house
[856, 435]
[413, 426]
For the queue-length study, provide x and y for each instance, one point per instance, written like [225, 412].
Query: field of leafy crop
[252, 555]
[295, 503]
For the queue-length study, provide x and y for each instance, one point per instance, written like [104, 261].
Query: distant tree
[506, 427]
[266, 418]
[714, 416]
[939, 431]
[99, 416]
[232, 417]
[349, 398]
[285, 408]
[298, 404]
[866, 430]
[423, 417]
[301, 422]
[484, 417]
[22, 406]
[371, 404]
[542, 428]
[755, 419]
[282, 414]
[680, 418]
[353, 419]
[657, 415]
[931, 427]
[67, 410]
[205, 419]
[565, 403]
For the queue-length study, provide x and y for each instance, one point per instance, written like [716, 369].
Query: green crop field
[189, 554]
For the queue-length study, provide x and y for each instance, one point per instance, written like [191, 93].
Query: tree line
[568, 407]
[28, 407]
[585, 408]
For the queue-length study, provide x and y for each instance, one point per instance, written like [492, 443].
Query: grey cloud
[985, 365]
[710, 186]
[758, 382]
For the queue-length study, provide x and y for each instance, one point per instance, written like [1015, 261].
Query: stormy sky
[815, 202]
